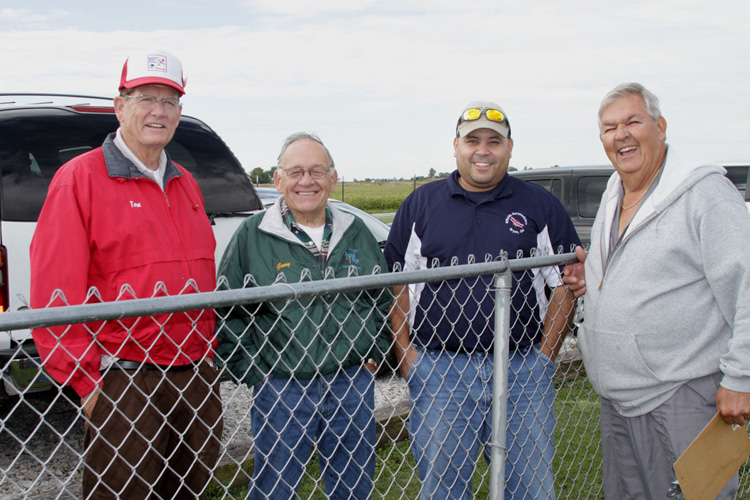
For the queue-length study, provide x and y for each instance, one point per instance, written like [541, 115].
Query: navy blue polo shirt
[443, 223]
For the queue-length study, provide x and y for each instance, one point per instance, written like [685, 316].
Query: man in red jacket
[121, 222]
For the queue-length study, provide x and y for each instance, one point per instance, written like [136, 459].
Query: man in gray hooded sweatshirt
[666, 333]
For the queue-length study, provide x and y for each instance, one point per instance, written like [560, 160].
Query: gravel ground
[52, 435]
[39, 445]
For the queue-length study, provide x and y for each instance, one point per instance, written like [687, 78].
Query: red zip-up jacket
[105, 226]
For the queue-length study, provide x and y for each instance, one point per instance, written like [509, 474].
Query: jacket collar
[678, 175]
[119, 166]
[504, 187]
[273, 223]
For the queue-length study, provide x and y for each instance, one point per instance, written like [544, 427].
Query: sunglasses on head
[492, 114]
[472, 114]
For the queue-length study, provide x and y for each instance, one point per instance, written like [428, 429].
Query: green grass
[744, 491]
[395, 477]
[577, 440]
[374, 197]
[387, 218]
[577, 461]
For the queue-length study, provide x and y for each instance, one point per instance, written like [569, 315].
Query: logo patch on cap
[157, 63]
[154, 67]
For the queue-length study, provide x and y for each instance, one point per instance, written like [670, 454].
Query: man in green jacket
[311, 361]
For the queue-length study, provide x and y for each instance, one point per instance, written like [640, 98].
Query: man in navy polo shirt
[444, 330]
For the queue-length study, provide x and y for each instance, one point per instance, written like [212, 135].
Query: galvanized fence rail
[42, 454]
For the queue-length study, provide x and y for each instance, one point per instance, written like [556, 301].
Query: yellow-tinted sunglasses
[494, 115]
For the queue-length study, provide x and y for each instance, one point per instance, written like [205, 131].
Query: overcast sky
[383, 82]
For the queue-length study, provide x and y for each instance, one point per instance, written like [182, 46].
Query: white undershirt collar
[155, 175]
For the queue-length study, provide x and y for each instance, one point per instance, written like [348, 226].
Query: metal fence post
[498, 446]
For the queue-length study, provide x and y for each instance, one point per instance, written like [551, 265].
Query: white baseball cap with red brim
[155, 67]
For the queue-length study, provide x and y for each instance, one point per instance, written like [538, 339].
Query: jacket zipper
[173, 223]
[617, 249]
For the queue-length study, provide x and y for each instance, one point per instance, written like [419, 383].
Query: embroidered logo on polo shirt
[516, 222]
[135, 204]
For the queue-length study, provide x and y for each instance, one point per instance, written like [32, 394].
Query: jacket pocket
[621, 366]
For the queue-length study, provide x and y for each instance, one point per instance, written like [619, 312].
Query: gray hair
[298, 136]
[628, 89]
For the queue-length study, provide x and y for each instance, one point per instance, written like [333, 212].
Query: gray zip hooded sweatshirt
[673, 303]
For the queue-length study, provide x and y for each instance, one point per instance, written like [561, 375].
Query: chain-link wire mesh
[349, 426]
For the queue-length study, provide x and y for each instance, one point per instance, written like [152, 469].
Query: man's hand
[89, 401]
[406, 360]
[574, 275]
[404, 352]
[558, 321]
[733, 406]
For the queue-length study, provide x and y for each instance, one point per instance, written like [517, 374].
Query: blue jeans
[288, 415]
[451, 416]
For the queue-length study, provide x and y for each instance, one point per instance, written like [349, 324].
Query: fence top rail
[36, 318]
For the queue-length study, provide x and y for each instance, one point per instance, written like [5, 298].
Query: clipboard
[711, 460]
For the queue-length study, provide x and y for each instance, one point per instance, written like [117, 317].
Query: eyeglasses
[149, 101]
[472, 114]
[298, 173]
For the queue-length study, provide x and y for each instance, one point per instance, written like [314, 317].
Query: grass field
[374, 197]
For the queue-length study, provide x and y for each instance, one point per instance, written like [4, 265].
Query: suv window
[590, 191]
[738, 176]
[554, 186]
[31, 151]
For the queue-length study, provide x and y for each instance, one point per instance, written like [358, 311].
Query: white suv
[40, 132]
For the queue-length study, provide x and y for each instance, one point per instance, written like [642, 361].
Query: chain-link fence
[317, 417]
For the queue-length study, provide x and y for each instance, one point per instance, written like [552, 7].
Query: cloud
[383, 85]
[13, 14]
[29, 19]
[304, 8]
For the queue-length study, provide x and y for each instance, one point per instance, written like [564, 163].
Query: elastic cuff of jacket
[736, 384]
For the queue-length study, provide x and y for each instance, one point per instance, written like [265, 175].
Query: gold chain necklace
[634, 204]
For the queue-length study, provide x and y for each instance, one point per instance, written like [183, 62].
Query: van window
[31, 151]
[738, 176]
[590, 191]
[554, 186]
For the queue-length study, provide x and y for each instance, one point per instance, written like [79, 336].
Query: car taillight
[4, 298]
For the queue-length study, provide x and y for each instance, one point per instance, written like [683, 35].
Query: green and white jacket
[307, 336]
